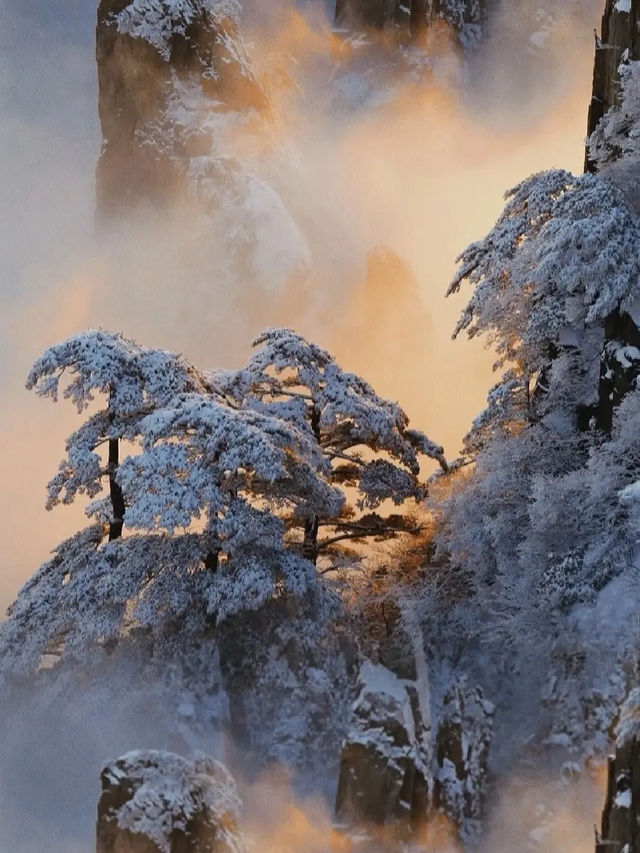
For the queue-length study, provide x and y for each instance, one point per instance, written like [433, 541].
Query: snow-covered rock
[619, 42]
[147, 51]
[159, 802]
[401, 772]
[621, 815]
[385, 777]
[177, 90]
[463, 741]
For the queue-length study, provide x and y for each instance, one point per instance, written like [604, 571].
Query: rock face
[189, 132]
[158, 802]
[151, 53]
[620, 39]
[398, 774]
[462, 755]
[385, 769]
[620, 818]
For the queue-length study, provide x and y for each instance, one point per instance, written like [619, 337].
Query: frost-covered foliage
[365, 441]
[87, 596]
[618, 132]
[537, 536]
[217, 474]
[557, 264]
[167, 797]
[132, 380]
[629, 718]
[614, 146]
[290, 682]
[465, 15]
[559, 258]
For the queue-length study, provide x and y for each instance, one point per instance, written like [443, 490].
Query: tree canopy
[224, 489]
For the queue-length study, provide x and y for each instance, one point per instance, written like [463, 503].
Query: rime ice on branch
[133, 380]
[365, 440]
[227, 486]
[560, 262]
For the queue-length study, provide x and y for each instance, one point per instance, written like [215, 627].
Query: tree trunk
[117, 498]
[310, 542]
[312, 524]
[418, 21]
[211, 561]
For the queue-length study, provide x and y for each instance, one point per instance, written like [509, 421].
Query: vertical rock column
[619, 39]
[385, 769]
[621, 815]
[153, 55]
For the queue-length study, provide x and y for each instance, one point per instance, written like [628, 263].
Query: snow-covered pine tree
[220, 482]
[369, 451]
[549, 281]
[131, 382]
[532, 532]
[614, 146]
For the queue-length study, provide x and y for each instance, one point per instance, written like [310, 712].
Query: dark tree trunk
[310, 543]
[312, 524]
[117, 498]
[418, 20]
[212, 560]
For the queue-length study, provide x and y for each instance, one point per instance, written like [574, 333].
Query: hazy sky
[423, 176]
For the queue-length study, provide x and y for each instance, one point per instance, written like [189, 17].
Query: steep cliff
[151, 53]
[620, 824]
[619, 41]
[187, 130]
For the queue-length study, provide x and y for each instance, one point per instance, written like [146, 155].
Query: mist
[386, 185]
[393, 172]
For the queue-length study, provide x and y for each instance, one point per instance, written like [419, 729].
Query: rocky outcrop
[462, 756]
[153, 57]
[619, 40]
[158, 802]
[188, 131]
[386, 758]
[397, 774]
[620, 831]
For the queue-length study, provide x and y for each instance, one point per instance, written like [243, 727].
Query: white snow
[623, 799]
[156, 21]
[169, 790]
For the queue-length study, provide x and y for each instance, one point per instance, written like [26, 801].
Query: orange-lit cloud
[386, 192]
